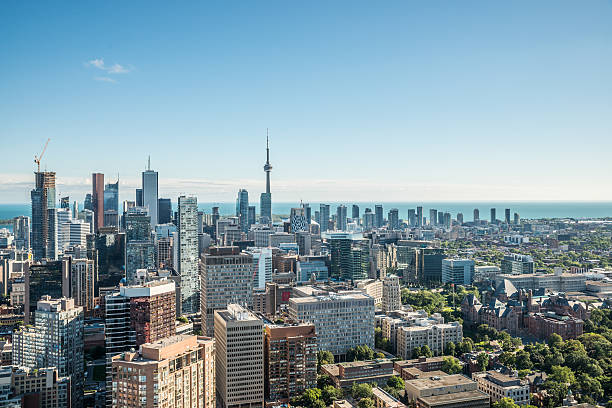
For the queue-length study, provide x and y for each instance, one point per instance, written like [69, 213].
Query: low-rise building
[436, 337]
[450, 391]
[542, 325]
[498, 386]
[383, 399]
[373, 371]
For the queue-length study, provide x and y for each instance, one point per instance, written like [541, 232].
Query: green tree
[505, 403]
[523, 361]
[395, 382]
[483, 361]
[555, 341]
[329, 394]
[562, 375]
[426, 351]
[450, 349]
[450, 365]
[325, 357]
[324, 380]
[359, 391]
[311, 398]
[366, 403]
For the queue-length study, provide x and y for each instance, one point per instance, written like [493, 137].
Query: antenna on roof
[149, 163]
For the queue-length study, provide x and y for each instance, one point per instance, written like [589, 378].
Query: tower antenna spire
[149, 163]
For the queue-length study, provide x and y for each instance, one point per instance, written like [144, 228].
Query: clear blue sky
[406, 100]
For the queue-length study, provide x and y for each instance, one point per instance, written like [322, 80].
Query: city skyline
[451, 103]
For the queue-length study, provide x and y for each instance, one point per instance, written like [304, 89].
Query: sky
[389, 101]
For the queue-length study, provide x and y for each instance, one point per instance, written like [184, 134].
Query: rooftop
[437, 382]
[455, 398]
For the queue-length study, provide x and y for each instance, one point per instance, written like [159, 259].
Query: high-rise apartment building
[493, 216]
[324, 217]
[335, 319]
[412, 217]
[97, 200]
[188, 254]
[433, 216]
[239, 358]
[297, 220]
[476, 215]
[419, 216]
[341, 218]
[290, 360]
[435, 336]
[136, 315]
[307, 213]
[355, 212]
[177, 371]
[138, 200]
[378, 216]
[517, 264]
[80, 274]
[391, 294]
[242, 209]
[393, 219]
[517, 219]
[56, 340]
[458, 271]
[507, 216]
[150, 191]
[21, 231]
[349, 256]
[265, 201]
[262, 266]
[137, 224]
[138, 255]
[226, 277]
[43, 199]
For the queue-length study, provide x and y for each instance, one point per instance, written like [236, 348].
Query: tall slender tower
[97, 199]
[149, 193]
[265, 204]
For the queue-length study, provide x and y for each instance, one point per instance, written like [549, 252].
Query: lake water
[527, 210]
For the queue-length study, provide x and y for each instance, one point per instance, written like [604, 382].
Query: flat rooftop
[437, 381]
[454, 398]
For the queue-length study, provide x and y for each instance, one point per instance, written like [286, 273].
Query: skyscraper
[43, 198]
[433, 216]
[517, 219]
[139, 197]
[150, 193]
[355, 212]
[476, 215]
[111, 204]
[324, 217]
[265, 201]
[419, 215]
[297, 220]
[188, 253]
[412, 217]
[242, 209]
[137, 315]
[393, 219]
[493, 216]
[251, 217]
[378, 216]
[21, 230]
[307, 213]
[341, 218]
[164, 206]
[192, 376]
[227, 277]
[56, 340]
[507, 215]
[240, 374]
[97, 200]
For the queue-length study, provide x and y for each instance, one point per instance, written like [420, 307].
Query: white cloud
[114, 69]
[105, 79]
[118, 69]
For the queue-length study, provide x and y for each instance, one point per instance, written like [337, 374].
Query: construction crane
[39, 157]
